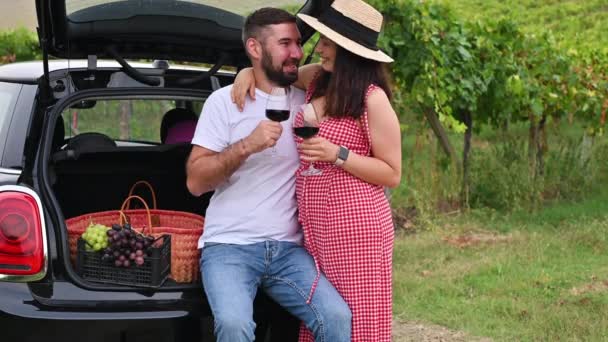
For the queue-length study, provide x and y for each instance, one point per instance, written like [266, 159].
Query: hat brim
[348, 44]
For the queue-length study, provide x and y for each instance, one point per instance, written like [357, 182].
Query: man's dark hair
[256, 22]
[344, 90]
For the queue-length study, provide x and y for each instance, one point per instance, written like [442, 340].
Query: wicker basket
[184, 228]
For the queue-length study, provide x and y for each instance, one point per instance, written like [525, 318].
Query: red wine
[277, 114]
[306, 132]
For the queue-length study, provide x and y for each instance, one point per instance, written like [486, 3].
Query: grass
[510, 277]
[576, 23]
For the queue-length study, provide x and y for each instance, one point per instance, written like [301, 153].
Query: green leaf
[537, 107]
[464, 53]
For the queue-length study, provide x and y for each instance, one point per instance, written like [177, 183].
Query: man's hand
[207, 169]
[244, 84]
[265, 135]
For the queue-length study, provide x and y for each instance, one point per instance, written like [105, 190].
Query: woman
[343, 210]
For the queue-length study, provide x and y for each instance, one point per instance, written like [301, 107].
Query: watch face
[343, 154]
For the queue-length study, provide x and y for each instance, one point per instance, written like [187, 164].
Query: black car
[93, 87]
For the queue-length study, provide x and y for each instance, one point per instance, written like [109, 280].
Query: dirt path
[407, 331]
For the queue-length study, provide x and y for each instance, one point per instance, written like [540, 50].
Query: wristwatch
[342, 156]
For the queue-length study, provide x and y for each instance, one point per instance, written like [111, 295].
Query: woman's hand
[244, 83]
[318, 149]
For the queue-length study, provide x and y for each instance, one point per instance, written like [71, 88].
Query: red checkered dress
[349, 230]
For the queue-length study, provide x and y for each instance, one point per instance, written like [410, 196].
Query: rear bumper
[61, 311]
[36, 330]
[64, 301]
[27, 316]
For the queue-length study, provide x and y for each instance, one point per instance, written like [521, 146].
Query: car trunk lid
[144, 29]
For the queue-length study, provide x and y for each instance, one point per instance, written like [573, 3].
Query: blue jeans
[285, 271]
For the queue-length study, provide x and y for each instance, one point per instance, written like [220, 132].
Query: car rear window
[124, 121]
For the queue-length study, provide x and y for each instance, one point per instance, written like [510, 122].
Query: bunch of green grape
[96, 237]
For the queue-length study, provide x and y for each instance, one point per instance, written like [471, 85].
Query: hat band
[349, 28]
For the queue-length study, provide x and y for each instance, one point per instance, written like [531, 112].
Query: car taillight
[22, 240]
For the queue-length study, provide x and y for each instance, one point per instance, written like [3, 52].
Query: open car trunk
[100, 181]
[103, 143]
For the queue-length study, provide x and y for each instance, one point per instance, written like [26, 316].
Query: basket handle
[124, 205]
[150, 188]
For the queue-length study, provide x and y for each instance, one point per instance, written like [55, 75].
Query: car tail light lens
[22, 239]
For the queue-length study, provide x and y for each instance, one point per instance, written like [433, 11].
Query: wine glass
[308, 130]
[278, 107]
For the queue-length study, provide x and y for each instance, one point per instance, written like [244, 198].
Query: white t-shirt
[258, 202]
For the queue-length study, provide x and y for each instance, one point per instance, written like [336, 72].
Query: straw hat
[352, 24]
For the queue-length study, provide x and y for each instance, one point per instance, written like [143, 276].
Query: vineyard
[577, 24]
[465, 76]
[503, 104]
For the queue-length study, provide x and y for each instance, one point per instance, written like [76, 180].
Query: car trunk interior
[101, 148]
[100, 180]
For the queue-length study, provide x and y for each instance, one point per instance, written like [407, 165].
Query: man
[252, 238]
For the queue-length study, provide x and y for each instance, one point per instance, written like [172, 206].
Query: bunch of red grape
[126, 246]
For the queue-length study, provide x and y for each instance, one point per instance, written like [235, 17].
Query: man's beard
[277, 75]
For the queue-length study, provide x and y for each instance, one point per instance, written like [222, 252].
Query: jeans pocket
[207, 248]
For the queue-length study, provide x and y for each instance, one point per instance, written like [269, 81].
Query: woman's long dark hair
[344, 88]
